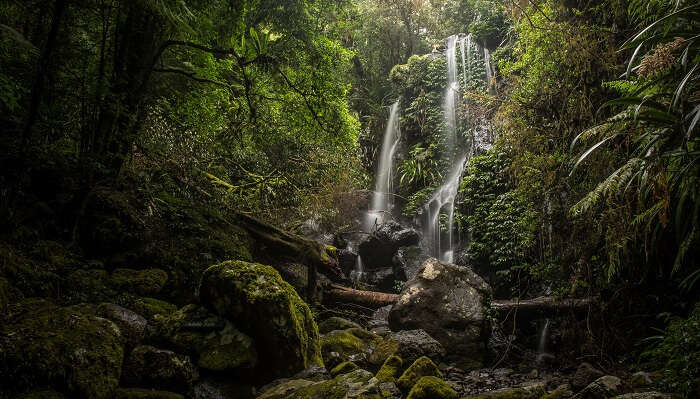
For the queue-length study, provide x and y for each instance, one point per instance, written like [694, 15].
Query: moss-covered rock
[256, 299]
[390, 369]
[150, 307]
[63, 346]
[534, 392]
[44, 394]
[343, 368]
[139, 393]
[353, 344]
[409, 345]
[358, 384]
[88, 286]
[423, 367]
[336, 323]
[431, 387]
[131, 324]
[141, 282]
[213, 342]
[156, 368]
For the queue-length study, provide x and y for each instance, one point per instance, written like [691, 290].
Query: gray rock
[149, 367]
[378, 248]
[644, 395]
[409, 345]
[604, 387]
[131, 324]
[346, 260]
[447, 301]
[214, 389]
[585, 374]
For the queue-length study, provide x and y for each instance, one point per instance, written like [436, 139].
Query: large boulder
[448, 301]
[131, 324]
[61, 346]
[585, 374]
[378, 248]
[431, 387]
[149, 367]
[422, 367]
[261, 304]
[607, 386]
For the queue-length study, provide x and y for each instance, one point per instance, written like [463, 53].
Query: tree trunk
[275, 243]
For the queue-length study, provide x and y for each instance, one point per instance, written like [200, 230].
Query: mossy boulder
[343, 368]
[62, 346]
[353, 344]
[150, 367]
[358, 384]
[431, 387]
[261, 304]
[336, 323]
[409, 345]
[390, 369]
[88, 285]
[212, 341]
[43, 394]
[140, 282]
[139, 393]
[150, 308]
[423, 367]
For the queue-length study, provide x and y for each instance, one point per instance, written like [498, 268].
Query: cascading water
[383, 195]
[542, 345]
[451, 92]
[444, 197]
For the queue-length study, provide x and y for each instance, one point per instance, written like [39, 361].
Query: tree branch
[191, 75]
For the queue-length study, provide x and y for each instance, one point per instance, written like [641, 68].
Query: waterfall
[542, 345]
[382, 197]
[462, 44]
[443, 199]
[490, 70]
[451, 92]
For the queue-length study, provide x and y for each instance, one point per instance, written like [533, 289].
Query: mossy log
[278, 243]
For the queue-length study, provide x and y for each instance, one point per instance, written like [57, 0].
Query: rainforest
[370, 199]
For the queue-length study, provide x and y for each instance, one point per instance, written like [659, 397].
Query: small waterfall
[359, 271]
[542, 345]
[443, 199]
[490, 70]
[383, 198]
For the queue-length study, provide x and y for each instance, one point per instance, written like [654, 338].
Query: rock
[150, 308]
[602, 388]
[358, 384]
[408, 261]
[336, 323]
[422, 367]
[131, 324]
[212, 341]
[409, 345]
[65, 346]
[141, 282]
[262, 305]
[354, 344]
[46, 394]
[448, 302]
[389, 390]
[510, 393]
[378, 248]
[390, 369]
[644, 395]
[221, 389]
[383, 279]
[297, 275]
[561, 392]
[343, 368]
[139, 393]
[585, 374]
[155, 368]
[313, 373]
[432, 388]
[641, 379]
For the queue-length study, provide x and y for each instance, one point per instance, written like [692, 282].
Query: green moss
[431, 387]
[151, 308]
[422, 367]
[331, 252]
[390, 369]
[42, 395]
[137, 393]
[385, 348]
[348, 342]
[356, 384]
[64, 346]
[335, 323]
[140, 282]
[259, 302]
[343, 368]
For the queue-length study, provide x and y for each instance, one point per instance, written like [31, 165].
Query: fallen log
[370, 299]
[544, 305]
